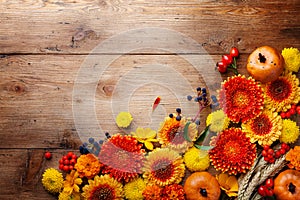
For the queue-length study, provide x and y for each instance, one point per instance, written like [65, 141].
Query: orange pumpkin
[265, 64]
[287, 185]
[202, 185]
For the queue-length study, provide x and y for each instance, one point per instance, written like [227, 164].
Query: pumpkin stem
[292, 188]
[262, 58]
[203, 192]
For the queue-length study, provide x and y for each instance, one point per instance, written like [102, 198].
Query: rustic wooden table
[45, 46]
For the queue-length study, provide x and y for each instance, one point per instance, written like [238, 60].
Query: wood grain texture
[47, 47]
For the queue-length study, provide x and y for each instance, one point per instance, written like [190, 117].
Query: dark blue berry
[171, 115]
[214, 98]
[91, 140]
[196, 99]
[178, 117]
[85, 144]
[199, 98]
[178, 110]
[203, 90]
[101, 141]
[198, 89]
[197, 122]
[204, 94]
[189, 97]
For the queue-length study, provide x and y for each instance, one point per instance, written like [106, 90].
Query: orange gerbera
[293, 156]
[241, 98]
[87, 166]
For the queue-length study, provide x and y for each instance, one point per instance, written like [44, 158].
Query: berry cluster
[229, 61]
[67, 162]
[293, 110]
[266, 190]
[92, 146]
[270, 155]
[178, 116]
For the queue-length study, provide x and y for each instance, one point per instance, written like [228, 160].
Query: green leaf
[186, 132]
[202, 135]
[202, 147]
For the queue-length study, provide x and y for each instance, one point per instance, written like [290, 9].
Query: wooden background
[43, 44]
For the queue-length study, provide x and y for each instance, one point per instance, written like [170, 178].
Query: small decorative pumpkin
[265, 64]
[202, 185]
[287, 185]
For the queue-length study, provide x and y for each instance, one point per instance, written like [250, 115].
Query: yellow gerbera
[103, 187]
[134, 189]
[52, 180]
[290, 131]
[218, 121]
[196, 159]
[145, 136]
[124, 119]
[66, 196]
[265, 129]
[229, 184]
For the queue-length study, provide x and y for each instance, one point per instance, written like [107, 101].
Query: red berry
[294, 106]
[72, 162]
[270, 152]
[264, 153]
[266, 147]
[269, 183]
[61, 161]
[227, 59]
[65, 158]
[269, 193]
[48, 155]
[71, 167]
[282, 151]
[222, 68]
[287, 115]
[284, 146]
[262, 190]
[61, 167]
[266, 159]
[292, 111]
[66, 162]
[66, 168]
[298, 109]
[277, 154]
[234, 52]
[282, 115]
[69, 155]
[272, 160]
[74, 157]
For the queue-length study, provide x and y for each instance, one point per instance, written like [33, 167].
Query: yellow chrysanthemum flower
[66, 196]
[291, 58]
[290, 131]
[282, 93]
[171, 134]
[124, 119]
[163, 167]
[103, 187]
[134, 189]
[218, 121]
[196, 159]
[145, 136]
[52, 180]
[265, 129]
[71, 183]
[229, 184]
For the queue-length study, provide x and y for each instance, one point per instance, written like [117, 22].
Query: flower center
[279, 89]
[240, 99]
[261, 125]
[163, 169]
[232, 149]
[103, 192]
[175, 135]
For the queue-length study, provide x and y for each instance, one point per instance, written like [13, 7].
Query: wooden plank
[36, 93]
[64, 27]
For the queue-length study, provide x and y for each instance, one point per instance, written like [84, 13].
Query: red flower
[122, 157]
[241, 98]
[233, 153]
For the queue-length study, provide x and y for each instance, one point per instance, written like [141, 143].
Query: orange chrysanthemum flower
[241, 98]
[152, 192]
[174, 191]
[163, 167]
[122, 157]
[282, 93]
[87, 166]
[265, 129]
[171, 134]
[233, 153]
[293, 156]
